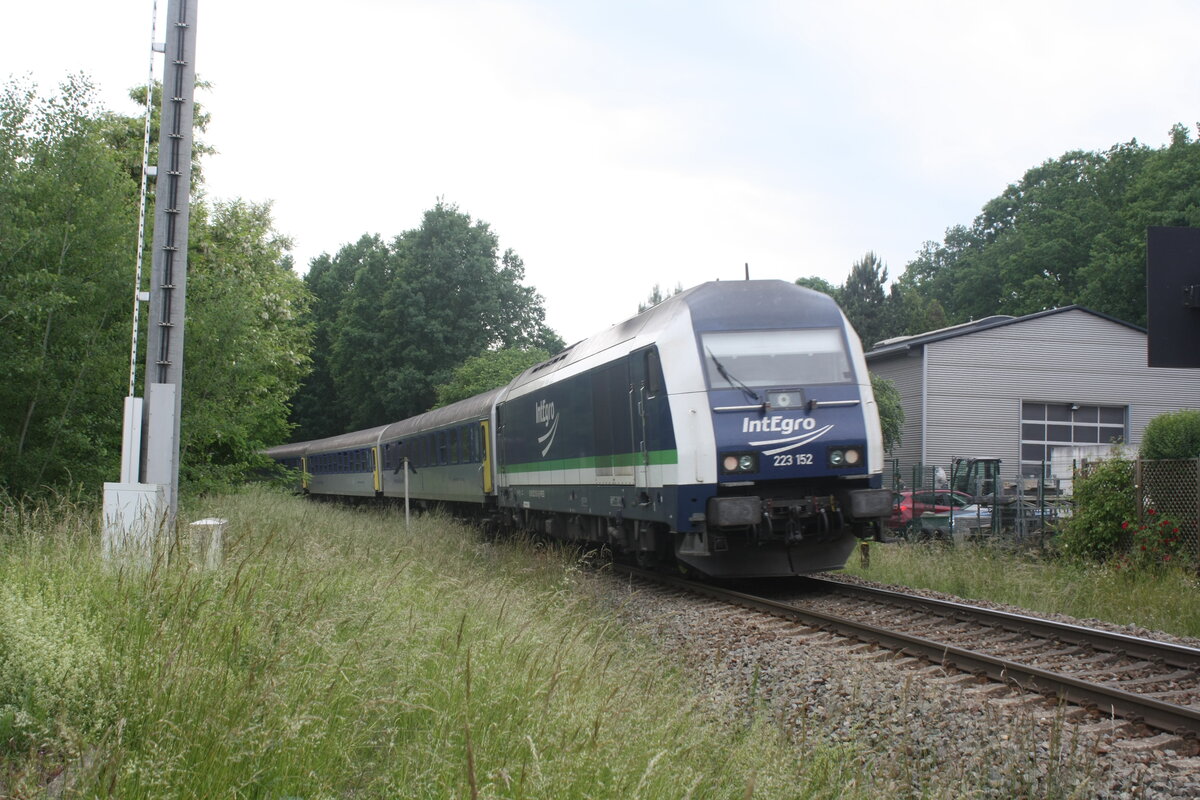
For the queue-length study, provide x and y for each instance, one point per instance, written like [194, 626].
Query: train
[729, 431]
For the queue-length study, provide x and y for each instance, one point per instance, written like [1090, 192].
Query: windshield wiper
[732, 381]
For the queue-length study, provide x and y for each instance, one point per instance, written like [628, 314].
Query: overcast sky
[615, 145]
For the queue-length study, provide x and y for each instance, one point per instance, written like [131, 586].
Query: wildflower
[1143, 547]
[1125, 525]
[1167, 557]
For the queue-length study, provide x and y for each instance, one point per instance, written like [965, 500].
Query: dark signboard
[1173, 297]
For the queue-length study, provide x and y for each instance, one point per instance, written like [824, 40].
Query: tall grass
[338, 654]
[1160, 599]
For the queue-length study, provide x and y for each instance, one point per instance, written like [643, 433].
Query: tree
[318, 411]
[657, 296]
[818, 285]
[910, 312]
[1160, 188]
[360, 350]
[1067, 232]
[862, 298]
[68, 225]
[488, 371]
[394, 320]
[247, 343]
[67, 231]
[891, 411]
[454, 297]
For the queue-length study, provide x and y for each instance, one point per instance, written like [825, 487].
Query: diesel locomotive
[730, 430]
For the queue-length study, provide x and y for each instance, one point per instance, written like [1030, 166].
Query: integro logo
[805, 428]
[784, 425]
[544, 414]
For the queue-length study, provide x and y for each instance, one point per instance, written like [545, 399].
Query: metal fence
[1028, 508]
[1020, 509]
[1170, 489]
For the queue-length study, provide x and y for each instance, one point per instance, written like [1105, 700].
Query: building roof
[904, 344]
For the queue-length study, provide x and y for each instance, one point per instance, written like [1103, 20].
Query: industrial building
[1068, 382]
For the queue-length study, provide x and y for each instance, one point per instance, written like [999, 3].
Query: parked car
[975, 521]
[908, 506]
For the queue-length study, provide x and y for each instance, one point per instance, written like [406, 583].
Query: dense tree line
[1072, 230]
[69, 182]
[393, 320]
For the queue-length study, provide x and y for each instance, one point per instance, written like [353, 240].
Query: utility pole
[142, 507]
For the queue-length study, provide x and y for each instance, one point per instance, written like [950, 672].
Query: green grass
[1159, 599]
[337, 654]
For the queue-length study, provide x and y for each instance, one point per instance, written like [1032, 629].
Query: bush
[1104, 500]
[1156, 542]
[1172, 435]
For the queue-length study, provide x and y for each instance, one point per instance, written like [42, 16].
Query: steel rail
[1135, 708]
[1176, 655]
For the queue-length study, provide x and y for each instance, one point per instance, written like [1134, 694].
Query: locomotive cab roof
[711, 306]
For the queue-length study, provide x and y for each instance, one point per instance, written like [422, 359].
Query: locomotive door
[645, 390]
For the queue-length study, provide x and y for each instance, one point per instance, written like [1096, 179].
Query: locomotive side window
[770, 358]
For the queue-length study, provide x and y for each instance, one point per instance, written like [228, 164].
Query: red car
[908, 506]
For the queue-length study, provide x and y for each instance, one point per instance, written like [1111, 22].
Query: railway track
[1146, 682]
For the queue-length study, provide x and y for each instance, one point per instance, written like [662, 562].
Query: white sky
[616, 144]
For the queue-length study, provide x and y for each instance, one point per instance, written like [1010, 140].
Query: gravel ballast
[919, 730]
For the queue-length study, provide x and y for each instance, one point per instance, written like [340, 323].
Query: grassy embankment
[337, 655]
[1159, 599]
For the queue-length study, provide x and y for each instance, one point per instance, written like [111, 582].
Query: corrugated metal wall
[905, 372]
[976, 383]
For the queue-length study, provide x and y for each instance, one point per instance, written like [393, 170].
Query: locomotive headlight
[785, 398]
[738, 463]
[840, 457]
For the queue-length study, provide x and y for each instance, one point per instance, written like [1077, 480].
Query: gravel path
[920, 731]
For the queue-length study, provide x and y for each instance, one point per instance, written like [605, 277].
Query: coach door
[485, 451]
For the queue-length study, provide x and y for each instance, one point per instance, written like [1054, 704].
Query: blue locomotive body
[731, 429]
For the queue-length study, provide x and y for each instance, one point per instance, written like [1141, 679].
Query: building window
[1045, 426]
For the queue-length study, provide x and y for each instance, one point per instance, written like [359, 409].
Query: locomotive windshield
[734, 359]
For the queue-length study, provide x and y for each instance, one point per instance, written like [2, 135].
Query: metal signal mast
[146, 500]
